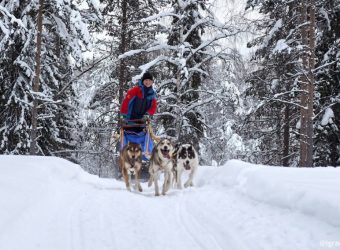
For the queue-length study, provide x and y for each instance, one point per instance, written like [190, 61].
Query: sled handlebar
[135, 123]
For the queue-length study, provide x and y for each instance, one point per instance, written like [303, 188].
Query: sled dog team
[165, 159]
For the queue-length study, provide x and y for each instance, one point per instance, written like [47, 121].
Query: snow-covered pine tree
[277, 81]
[274, 83]
[121, 31]
[192, 41]
[187, 28]
[64, 38]
[327, 95]
[15, 77]
[224, 114]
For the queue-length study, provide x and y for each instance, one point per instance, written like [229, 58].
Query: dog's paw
[156, 194]
[188, 184]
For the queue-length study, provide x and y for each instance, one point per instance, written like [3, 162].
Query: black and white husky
[161, 162]
[186, 159]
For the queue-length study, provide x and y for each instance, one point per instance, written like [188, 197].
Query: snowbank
[313, 191]
[50, 203]
[25, 181]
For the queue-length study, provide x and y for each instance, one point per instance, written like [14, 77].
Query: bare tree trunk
[34, 148]
[307, 83]
[122, 49]
[303, 115]
[286, 136]
[311, 83]
[121, 70]
[179, 120]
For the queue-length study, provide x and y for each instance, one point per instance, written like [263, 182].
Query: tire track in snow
[90, 227]
[198, 232]
[74, 217]
[216, 230]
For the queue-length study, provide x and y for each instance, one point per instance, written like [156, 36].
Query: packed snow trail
[51, 204]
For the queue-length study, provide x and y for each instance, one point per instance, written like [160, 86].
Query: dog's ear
[192, 148]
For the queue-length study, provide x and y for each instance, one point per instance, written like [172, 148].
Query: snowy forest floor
[49, 203]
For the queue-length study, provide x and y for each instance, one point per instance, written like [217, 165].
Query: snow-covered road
[49, 203]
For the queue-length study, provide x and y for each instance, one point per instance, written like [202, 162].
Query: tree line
[279, 107]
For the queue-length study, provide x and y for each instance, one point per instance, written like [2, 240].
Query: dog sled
[146, 138]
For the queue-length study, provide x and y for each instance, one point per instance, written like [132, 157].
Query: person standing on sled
[139, 103]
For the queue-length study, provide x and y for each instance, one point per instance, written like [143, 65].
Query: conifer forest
[255, 80]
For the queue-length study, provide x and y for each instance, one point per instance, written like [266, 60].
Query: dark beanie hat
[147, 75]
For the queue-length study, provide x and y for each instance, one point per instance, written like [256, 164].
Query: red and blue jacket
[138, 101]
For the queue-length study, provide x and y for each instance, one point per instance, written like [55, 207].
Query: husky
[161, 162]
[131, 164]
[186, 159]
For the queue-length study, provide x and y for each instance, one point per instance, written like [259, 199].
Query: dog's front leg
[155, 179]
[166, 176]
[179, 174]
[174, 178]
[152, 175]
[189, 182]
[137, 177]
[167, 182]
[126, 178]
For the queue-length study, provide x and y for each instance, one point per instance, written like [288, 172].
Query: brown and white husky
[131, 164]
[161, 162]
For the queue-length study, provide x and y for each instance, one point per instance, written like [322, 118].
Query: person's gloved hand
[123, 119]
[146, 117]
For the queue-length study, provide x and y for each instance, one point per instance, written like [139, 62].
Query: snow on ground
[49, 203]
